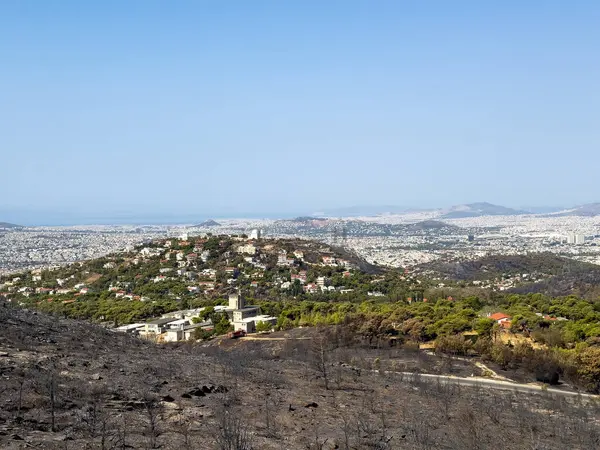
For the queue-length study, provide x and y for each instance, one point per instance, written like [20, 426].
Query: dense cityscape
[399, 240]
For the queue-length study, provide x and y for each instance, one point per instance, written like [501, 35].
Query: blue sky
[216, 108]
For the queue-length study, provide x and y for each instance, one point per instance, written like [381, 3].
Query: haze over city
[147, 110]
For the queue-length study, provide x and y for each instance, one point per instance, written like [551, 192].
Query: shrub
[454, 344]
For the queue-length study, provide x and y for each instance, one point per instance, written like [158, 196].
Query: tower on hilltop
[236, 301]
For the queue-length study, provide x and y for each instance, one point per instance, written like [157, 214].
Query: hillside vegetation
[538, 273]
[302, 283]
[494, 266]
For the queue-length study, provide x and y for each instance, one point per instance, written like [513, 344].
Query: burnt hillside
[71, 385]
[499, 265]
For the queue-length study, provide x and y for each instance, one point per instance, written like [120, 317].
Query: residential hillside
[176, 274]
[340, 229]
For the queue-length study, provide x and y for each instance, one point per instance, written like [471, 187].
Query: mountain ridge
[479, 209]
[9, 225]
[585, 210]
[207, 224]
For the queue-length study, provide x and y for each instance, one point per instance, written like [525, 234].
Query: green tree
[484, 326]
[263, 326]
[223, 326]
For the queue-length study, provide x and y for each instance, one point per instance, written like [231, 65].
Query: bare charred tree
[153, 412]
[22, 381]
[95, 420]
[316, 442]
[371, 424]
[234, 367]
[121, 436]
[183, 427]
[419, 432]
[270, 418]
[347, 429]
[47, 382]
[320, 354]
[468, 434]
[233, 432]
[446, 393]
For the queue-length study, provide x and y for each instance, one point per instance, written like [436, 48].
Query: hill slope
[560, 276]
[9, 225]
[208, 224]
[498, 265]
[588, 210]
[479, 209]
[67, 384]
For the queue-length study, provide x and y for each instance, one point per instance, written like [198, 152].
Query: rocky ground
[71, 385]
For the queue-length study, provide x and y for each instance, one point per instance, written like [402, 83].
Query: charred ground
[72, 385]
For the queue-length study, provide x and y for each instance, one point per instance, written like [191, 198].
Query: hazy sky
[225, 107]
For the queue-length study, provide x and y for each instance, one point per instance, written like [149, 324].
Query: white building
[255, 234]
[248, 249]
[322, 281]
[248, 324]
[131, 328]
[576, 239]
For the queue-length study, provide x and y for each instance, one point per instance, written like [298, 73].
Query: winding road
[488, 383]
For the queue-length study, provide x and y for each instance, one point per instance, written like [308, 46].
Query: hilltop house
[329, 261]
[158, 326]
[501, 319]
[245, 317]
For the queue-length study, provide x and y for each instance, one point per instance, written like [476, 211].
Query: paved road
[489, 384]
[257, 338]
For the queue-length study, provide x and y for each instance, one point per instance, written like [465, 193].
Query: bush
[545, 367]
[263, 326]
[501, 354]
[587, 361]
[551, 337]
[455, 344]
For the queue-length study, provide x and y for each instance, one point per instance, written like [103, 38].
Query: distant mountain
[9, 225]
[208, 223]
[587, 210]
[307, 219]
[353, 211]
[478, 210]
